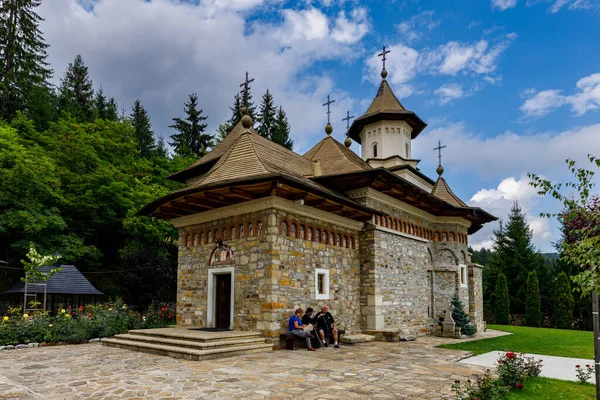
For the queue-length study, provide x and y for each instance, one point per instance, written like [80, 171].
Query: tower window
[406, 146]
[375, 150]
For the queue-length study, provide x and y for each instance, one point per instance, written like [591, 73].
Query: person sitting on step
[326, 326]
[297, 329]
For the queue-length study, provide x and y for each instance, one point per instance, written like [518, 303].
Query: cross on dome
[246, 119]
[440, 169]
[348, 141]
[328, 127]
[382, 54]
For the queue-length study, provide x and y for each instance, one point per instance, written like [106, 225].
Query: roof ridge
[441, 181]
[316, 148]
[254, 149]
[352, 156]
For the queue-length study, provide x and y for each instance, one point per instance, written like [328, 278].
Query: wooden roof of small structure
[67, 281]
[335, 158]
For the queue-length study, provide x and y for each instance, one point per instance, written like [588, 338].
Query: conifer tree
[502, 304]
[266, 117]
[112, 110]
[161, 148]
[236, 113]
[143, 130]
[563, 311]
[100, 104]
[76, 91]
[191, 139]
[532, 304]
[23, 65]
[460, 317]
[281, 133]
[222, 131]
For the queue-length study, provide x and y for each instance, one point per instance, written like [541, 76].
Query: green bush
[533, 314]
[502, 305]
[460, 317]
[563, 310]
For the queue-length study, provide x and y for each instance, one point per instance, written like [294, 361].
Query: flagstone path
[413, 370]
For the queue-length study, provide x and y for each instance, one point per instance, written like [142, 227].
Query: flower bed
[76, 325]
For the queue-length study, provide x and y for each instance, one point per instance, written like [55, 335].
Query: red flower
[510, 355]
[577, 366]
[457, 381]
[80, 308]
[587, 365]
[89, 315]
[68, 308]
[520, 386]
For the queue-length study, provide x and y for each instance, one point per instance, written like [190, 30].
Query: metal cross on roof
[328, 103]
[246, 86]
[439, 149]
[347, 119]
[382, 54]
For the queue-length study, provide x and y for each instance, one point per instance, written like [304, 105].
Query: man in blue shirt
[296, 328]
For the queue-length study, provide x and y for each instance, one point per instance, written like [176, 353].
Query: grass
[546, 341]
[554, 389]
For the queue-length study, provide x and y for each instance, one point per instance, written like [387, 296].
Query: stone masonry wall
[476, 296]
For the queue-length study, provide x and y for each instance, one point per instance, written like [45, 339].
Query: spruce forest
[75, 168]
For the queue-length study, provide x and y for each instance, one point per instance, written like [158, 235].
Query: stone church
[264, 230]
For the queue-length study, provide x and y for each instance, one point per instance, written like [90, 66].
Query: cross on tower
[347, 119]
[328, 103]
[382, 54]
[246, 86]
[439, 149]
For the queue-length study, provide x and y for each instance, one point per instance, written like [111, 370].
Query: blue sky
[510, 86]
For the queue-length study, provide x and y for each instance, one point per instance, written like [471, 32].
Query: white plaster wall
[391, 138]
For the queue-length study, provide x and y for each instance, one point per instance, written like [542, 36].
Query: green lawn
[554, 389]
[551, 342]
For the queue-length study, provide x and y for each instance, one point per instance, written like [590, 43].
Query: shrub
[584, 374]
[502, 306]
[485, 387]
[563, 311]
[514, 369]
[460, 317]
[533, 314]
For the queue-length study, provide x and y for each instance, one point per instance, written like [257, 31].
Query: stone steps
[187, 353]
[190, 344]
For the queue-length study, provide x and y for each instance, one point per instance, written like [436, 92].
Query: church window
[321, 284]
[325, 237]
[293, 230]
[241, 236]
[259, 228]
[301, 231]
[379, 131]
[309, 233]
[338, 240]
[387, 130]
[210, 237]
[375, 150]
[318, 235]
[406, 146]
[250, 229]
[462, 272]
[369, 134]
[195, 240]
[284, 228]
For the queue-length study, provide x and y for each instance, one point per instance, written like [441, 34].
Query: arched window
[284, 228]
[379, 131]
[250, 229]
[397, 130]
[375, 150]
[259, 228]
[406, 146]
[387, 130]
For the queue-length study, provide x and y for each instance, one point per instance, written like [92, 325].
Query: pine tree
[112, 110]
[281, 134]
[532, 304]
[143, 130]
[23, 65]
[222, 131]
[236, 113]
[266, 116]
[100, 104]
[191, 139]
[502, 304]
[161, 148]
[460, 317]
[563, 311]
[76, 91]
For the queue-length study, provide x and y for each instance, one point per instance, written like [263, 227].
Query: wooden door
[223, 301]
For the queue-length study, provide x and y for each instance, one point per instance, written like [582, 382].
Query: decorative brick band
[225, 232]
[421, 231]
[300, 230]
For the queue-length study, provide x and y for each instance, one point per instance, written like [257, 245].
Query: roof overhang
[397, 187]
[416, 123]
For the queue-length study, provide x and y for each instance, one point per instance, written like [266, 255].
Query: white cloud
[401, 66]
[504, 4]
[586, 98]
[413, 28]
[452, 91]
[557, 5]
[163, 50]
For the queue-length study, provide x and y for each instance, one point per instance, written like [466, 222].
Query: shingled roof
[442, 190]
[335, 158]
[67, 281]
[386, 106]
